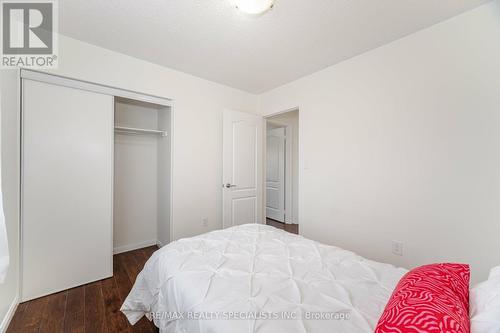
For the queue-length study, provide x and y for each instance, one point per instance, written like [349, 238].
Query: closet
[141, 175]
[95, 179]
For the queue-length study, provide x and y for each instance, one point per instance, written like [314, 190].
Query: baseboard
[159, 244]
[8, 316]
[131, 247]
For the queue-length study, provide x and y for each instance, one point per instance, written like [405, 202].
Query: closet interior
[141, 201]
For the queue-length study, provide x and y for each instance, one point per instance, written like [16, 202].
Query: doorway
[141, 192]
[281, 170]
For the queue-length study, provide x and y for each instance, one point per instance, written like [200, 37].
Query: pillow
[431, 299]
[485, 305]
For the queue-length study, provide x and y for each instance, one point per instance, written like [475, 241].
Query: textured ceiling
[212, 40]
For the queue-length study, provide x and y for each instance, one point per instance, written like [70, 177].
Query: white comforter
[256, 278]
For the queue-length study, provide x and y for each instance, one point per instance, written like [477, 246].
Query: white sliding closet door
[67, 188]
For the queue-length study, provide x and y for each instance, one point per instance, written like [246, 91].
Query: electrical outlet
[204, 222]
[397, 248]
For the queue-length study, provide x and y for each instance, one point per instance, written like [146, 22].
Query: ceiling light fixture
[254, 7]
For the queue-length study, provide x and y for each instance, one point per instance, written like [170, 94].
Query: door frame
[289, 156]
[288, 179]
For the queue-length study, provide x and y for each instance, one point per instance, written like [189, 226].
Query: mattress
[256, 278]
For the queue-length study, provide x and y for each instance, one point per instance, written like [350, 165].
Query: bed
[256, 278]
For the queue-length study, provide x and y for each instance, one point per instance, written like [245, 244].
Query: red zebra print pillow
[429, 299]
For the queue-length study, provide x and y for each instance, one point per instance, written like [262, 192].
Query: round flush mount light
[254, 7]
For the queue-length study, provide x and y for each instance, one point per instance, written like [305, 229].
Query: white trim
[171, 130]
[112, 217]
[94, 87]
[9, 315]
[289, 217]
[131, 247]
[20, 123]
[159, 244]
[264, 169]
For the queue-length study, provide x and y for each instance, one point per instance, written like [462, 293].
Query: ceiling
[212, 40]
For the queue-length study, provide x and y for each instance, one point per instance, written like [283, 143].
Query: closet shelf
[133, 130]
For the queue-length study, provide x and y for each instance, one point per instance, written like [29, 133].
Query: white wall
[10, 186]
[197, 119]
[399, 143]
[292, 119]
[403, 143]
[197, 146]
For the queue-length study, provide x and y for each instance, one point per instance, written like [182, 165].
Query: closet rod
[134, 130]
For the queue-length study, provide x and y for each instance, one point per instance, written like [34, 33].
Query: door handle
[228, 185]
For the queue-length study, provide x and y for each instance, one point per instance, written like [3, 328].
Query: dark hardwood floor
[293, 228]
[94, 307]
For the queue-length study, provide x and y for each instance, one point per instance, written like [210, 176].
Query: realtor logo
[29, 37]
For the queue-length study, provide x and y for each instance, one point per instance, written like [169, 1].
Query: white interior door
[275, 174]
[242, 168]
[67, 184]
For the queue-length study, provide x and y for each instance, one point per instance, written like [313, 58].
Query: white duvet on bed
[256, 278]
